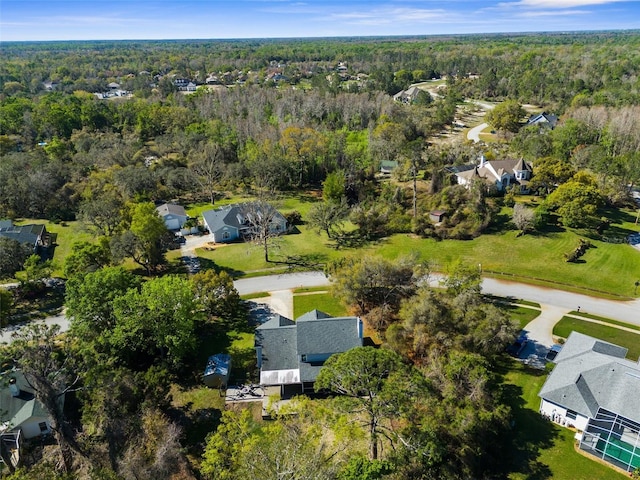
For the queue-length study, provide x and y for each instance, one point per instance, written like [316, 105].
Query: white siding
[558, 414]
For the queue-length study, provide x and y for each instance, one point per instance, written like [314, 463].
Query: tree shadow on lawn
[528, 436]
[500, 223]
[352, 239]
[303, 262]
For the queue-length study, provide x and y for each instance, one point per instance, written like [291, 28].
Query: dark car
[553, 352]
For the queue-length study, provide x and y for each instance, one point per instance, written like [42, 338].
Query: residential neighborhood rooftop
[592, 374]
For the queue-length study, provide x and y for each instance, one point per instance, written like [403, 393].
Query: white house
[21, 416]
[174, 216]
[499, 174]
[595, 389]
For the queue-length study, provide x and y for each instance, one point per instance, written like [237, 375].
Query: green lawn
[609, 334]
[613, 268]
[539, 449]
[522, 315]
[608, 270]
[306, 249]
[607, 320]
[68, 233]
[324, 302]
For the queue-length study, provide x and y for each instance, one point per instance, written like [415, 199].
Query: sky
[22, 20]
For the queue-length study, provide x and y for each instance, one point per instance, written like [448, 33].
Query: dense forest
[101, 132]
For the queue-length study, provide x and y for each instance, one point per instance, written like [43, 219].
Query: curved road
[624, 311]
[554, 303]
[474, 133]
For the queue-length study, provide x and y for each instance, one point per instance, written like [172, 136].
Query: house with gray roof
[36, 236]
[595, 389]
[173, 215]
[237, 222]
[543, 119]
[407, 96]
[22, 417]
[291, 354]
[498, 174]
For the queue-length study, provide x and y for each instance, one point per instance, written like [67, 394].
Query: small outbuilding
[436, 216]
[217, 371]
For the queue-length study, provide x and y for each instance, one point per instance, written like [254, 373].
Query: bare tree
[209, 167]
[524, 218]
[265, 224]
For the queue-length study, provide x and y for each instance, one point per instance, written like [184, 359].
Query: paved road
[624, 311]
[564, 301]
[285, 281]
[554, 302]
[61, 319]
[474, 133]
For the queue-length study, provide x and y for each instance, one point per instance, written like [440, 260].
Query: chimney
[259, 356]
[14, 388]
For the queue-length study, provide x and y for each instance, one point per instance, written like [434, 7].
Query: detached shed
[217, 371]
[436, 216]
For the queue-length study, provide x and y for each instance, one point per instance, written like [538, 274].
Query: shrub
[293, 218]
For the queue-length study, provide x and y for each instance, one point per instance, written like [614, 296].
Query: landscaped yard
[538, 258]
[540, 449]
[522, 315]
[323, 301]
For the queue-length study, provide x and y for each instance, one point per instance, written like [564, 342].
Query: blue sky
[175, 19]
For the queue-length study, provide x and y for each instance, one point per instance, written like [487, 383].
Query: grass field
[609, 334]
[608, 266]
[607, 320]
[606, 270]
[318, 301]
[522, 315]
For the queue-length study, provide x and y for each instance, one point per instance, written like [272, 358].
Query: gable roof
[231, 216]
[543, 118]
[171, 209]
[592, 374]
[28, 234]
[283, 345]
[16, 410]
[492, 171]
[320, 333]
[408, 95]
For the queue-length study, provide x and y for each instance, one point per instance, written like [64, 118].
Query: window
[225, 236]
[43, 427]
[571, 414]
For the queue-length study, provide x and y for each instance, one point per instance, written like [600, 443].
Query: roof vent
[14, 388]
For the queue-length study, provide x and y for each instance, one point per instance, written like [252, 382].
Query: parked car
[553, 352]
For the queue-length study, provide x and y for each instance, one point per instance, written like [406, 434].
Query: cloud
[387, 16]
[559, 4]
[552, 13]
